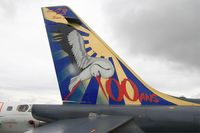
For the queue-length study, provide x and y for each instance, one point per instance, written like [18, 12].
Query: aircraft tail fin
[88, 71]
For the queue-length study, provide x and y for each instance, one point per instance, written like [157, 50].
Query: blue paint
[88, 49]
[86, 41]
[83, 33]
[142, 88]
[94, 55]
[114, 88]
[90, 95]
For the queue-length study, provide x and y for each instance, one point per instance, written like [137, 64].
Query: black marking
[73, 20]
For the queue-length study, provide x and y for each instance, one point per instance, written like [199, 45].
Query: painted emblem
[90, 66]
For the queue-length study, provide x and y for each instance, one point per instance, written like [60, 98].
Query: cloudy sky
[160, 40]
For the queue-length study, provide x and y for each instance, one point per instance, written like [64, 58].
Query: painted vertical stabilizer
[88, 71]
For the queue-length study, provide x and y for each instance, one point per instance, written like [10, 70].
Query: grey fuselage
[148, 118]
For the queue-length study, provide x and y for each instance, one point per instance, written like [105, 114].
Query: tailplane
[88, 71]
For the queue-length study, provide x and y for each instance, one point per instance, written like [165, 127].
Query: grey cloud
[197, 96]
[166, 29]
[7, 8]
[18, 96]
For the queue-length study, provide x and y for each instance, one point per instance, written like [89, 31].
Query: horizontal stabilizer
[100, 124]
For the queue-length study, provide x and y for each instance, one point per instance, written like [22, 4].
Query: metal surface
[99, 124]
[156, 118]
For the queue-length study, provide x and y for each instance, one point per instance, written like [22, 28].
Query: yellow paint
[121, 76]
[91, 52]
[53, 16]
[86, 83]
[85, 37]
[87, 46]
[79, 27]
[56, 34]
[98, 46]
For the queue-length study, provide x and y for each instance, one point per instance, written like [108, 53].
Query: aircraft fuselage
[16, 118]
[151, 119]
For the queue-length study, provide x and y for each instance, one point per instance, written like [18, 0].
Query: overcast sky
[160, 40]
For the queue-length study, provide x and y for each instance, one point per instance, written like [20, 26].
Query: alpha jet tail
[88, 71]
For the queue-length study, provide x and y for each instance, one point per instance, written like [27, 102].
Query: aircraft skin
[100, 92]
[16, 118]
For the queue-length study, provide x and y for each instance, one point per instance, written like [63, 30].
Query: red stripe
[99, 81]
[74, 88]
